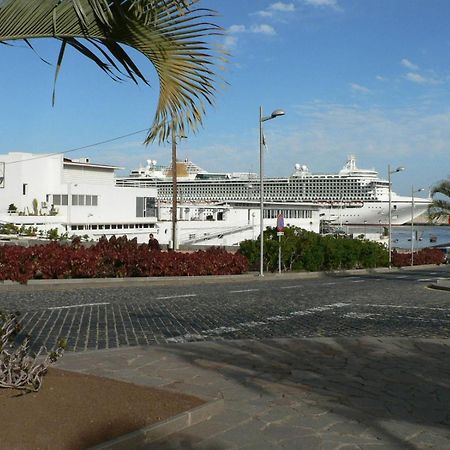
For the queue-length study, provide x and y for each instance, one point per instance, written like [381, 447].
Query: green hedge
[305, 250]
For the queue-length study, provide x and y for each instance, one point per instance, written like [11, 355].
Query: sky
[369, 78]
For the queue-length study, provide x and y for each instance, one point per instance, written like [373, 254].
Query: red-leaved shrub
[425, 256]
[118, 257]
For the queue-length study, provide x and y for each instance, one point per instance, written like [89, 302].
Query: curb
[442, 285]
[163, 429]
[201, 279]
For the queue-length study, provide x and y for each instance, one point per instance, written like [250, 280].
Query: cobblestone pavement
[109, 317]
[298, 394]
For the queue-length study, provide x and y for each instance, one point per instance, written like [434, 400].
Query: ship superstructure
[352, 196]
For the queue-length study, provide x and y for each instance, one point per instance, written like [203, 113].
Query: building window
[24, 188]
[145, 207]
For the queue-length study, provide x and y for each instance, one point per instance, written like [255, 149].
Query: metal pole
[174, 189]
[412, 225]
[390, 218]
[279, 254]
[261, 193]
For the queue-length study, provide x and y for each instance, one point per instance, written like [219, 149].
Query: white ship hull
[374, 213]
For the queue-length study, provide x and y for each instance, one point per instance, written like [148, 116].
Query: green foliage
[9, 228]
[440, 207]
[35, 205]
[305, 250]
[12, 208]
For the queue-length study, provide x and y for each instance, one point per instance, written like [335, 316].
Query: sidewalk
[321, 393]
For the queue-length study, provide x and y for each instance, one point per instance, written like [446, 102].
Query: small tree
[35, 204]
[19, 368]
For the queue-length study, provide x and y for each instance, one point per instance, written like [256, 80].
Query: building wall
[38, 175]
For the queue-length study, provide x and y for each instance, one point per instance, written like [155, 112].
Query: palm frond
[172, 34]
[442, 188]
[440, 206]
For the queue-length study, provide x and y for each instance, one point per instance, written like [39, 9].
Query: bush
[19, 368]
[305, 250]
[118, 257]
[424, 256]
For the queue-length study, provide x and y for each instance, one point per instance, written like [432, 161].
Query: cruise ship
[353, 196]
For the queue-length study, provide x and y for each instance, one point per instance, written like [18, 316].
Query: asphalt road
[93, 317]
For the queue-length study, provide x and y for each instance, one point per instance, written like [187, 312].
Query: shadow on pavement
[380, 383]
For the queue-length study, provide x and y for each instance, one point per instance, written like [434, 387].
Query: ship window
[57, 199]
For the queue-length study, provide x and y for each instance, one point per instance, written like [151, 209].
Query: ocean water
[401, 236]
[426, 236]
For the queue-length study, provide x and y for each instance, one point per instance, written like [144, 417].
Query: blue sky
[363, 77]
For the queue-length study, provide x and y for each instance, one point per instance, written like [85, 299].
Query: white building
[73, 196]
[78, 197]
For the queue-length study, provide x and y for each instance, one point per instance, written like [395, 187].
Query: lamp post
[390, 172]
[276, 113]
[412, 221]
[174, 188]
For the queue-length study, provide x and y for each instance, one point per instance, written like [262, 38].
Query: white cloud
[276, 8]
[263, 29]
[330, 132]
[230, 42]
[264, 13]
[282, 7]
[237, 29]
[421, 79]
[359, 88]
[381, 78]
[415, 78]
[408, 64]
[332, 3]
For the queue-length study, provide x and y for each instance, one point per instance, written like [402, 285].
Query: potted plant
[12, 209]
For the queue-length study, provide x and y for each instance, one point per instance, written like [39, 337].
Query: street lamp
[412, 221]
[276, 113]
[174, 187]
[390, 172]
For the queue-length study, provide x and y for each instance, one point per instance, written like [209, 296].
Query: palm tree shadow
[368, 380]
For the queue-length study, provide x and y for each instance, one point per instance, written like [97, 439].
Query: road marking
[292, 287]
[357, 281]
[363, 316]
[254, 324]
[176, 296]
[402, 276]
[78, 306]
[329, 284]
[374, 305]
[243, 290]
[426, 279]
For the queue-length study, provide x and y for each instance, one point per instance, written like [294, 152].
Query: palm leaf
[171, 34]
[440, 206]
